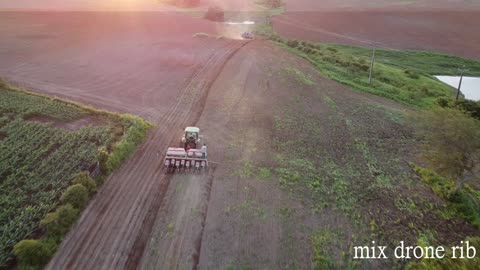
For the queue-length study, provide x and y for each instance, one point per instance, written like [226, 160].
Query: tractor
[191, 138]
[187, 157]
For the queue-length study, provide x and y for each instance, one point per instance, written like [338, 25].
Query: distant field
[448, 31]
[44, 143]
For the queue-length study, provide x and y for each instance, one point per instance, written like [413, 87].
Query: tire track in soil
[113, 230]
[139, 246]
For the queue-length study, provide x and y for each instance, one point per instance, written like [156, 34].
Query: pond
[470, 85]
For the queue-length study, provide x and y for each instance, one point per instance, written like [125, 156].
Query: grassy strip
[46, 159]
[134, 137]
[431, 63]
[403, 76]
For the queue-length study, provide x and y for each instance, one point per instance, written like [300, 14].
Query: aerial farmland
[333, 142]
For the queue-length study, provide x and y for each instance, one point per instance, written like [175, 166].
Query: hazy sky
[81, 4]
[152, 5]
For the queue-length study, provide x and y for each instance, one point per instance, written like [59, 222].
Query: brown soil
[144, 218]
[450, 32]
[72, 125]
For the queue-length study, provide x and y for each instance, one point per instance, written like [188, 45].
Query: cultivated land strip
[117, 220]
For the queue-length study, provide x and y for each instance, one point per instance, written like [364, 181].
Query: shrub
[59, 222]
[424, 90]
[3, 84]
[308, 50]
[467, 205]
[293, 43]
[443, 102]
[469, 106]
[412, 74]
[102, 157]
[76, 195]
[85, 180]
[333, 50]
[31, 252]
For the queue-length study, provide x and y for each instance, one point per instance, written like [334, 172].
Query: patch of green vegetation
[391, 79]
[38, 161]
[236, 265]
[440, 185]
[247, 209]
[330, 102]
[264, 173]
[325, 181]
[246, 171]
[416, 63]
[249, 170]
[323, 258]
[299, 76]
[382, 179]
[463, 202]
[407, 205]
[448, 262]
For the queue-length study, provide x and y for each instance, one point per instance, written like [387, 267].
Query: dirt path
[112, 230]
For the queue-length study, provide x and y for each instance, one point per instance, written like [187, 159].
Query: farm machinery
[188, 157]
[248, 35]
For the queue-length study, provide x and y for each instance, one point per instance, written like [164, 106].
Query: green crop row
[39, 161]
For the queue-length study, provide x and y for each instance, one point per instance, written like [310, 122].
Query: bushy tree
[85, 180]
[31, 252]
[59, 222]
[452, 143]
[76, 195]
[102, 157]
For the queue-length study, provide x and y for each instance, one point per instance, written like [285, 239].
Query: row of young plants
[38, 163]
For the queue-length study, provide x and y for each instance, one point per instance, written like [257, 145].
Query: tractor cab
[191, 137]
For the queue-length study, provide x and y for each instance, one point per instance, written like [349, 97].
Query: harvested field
[105, 59]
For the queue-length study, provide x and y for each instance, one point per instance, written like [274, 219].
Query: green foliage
[463, 202]
[448, 262]
[392, 79]
[293, 43]
[84, 179]
[59, 222]
[331, 103]
[419, 62]
[406, 205]
[76, 195]
[323, 257]
[469, 106]
[440, 185]
[412, 74]
[32, 252]
[38, 161]
[451, 142]
[136, 134]
[102, 157]
[299, 76]
[468, 205]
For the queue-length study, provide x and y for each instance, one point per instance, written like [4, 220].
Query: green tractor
[191, 138]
